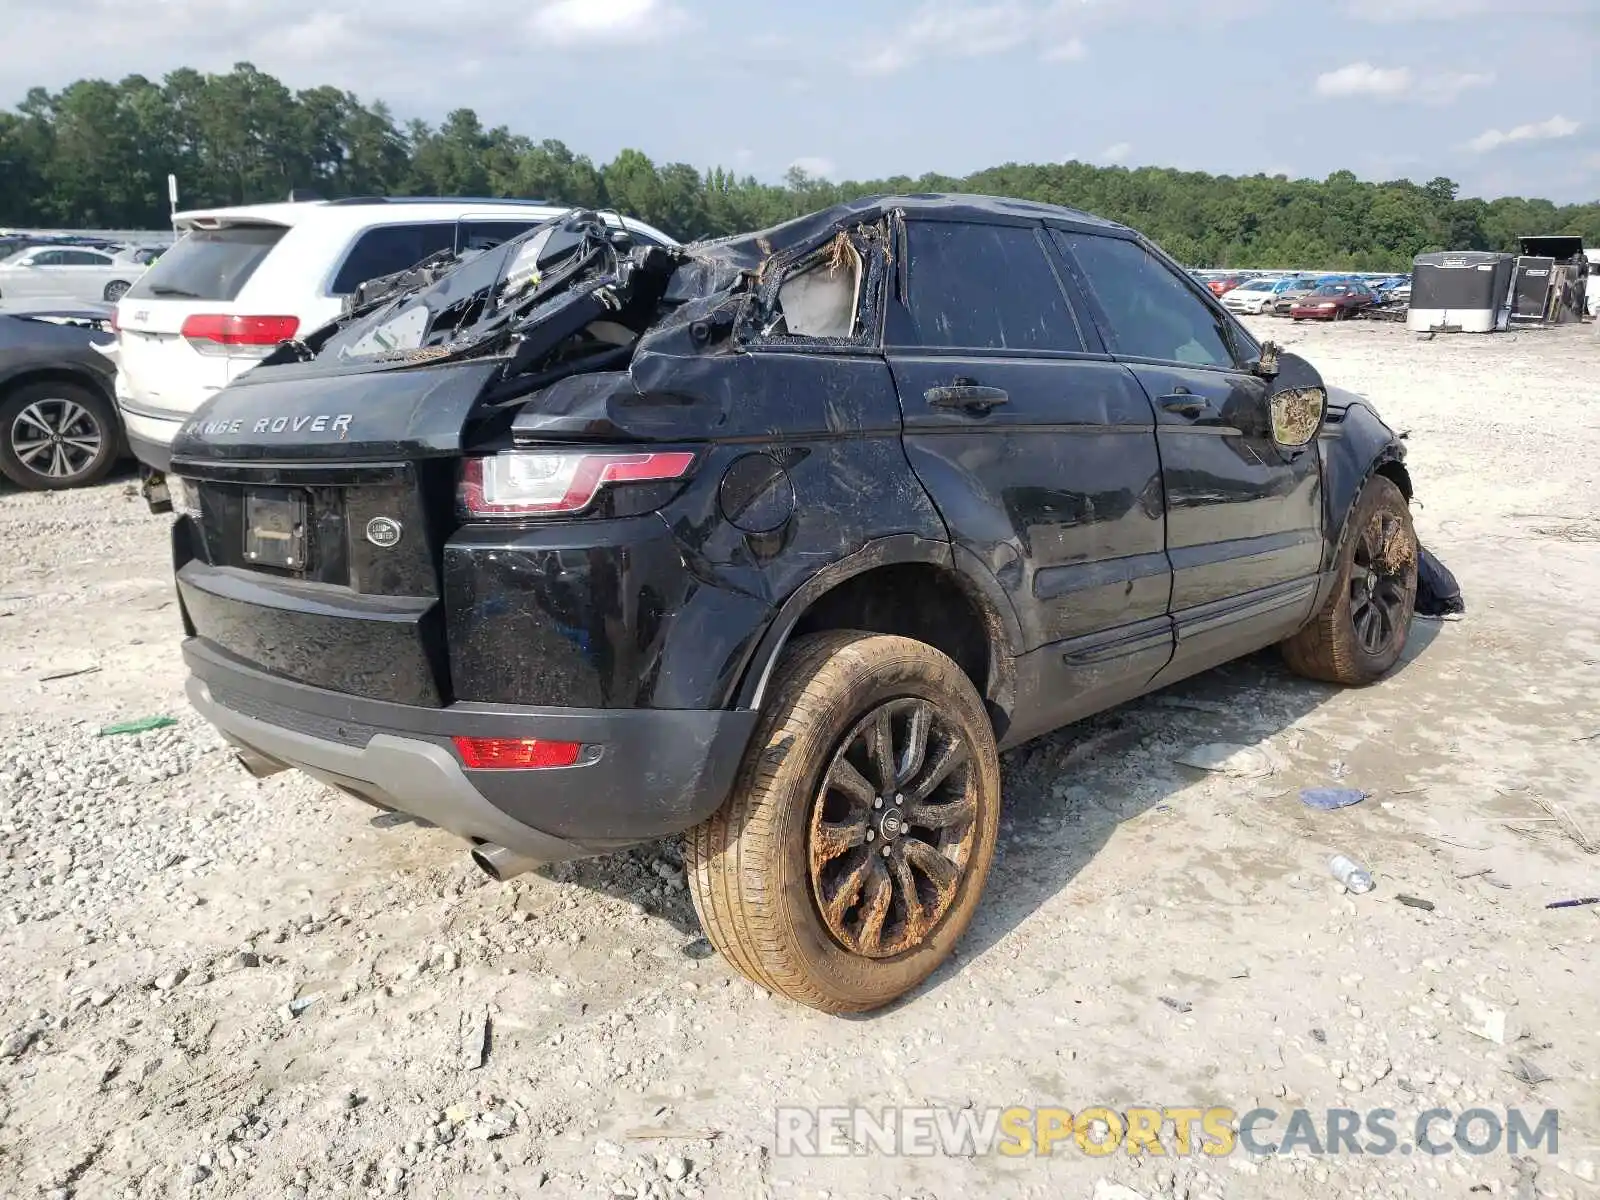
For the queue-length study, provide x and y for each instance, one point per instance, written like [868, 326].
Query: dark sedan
[1333, 302]
[58, 420]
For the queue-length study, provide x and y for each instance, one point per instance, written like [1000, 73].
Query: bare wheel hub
[893, 828]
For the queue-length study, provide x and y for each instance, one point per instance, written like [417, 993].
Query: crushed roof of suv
[752, 249]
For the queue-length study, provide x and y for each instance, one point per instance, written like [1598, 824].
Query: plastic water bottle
[1350, 873]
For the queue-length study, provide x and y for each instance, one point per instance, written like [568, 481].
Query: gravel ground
[213, 986]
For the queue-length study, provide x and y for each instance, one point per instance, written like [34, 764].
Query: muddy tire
[1361, 631]
[851, 856]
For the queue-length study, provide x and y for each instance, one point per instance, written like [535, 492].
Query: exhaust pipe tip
[258, 765]
[500, 864]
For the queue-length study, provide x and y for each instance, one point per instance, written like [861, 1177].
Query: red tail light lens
[224, 333]
[524, 484]
[521, 754]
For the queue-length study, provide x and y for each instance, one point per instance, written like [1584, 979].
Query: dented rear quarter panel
[800, 466]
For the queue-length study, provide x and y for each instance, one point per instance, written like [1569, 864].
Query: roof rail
[354, 200]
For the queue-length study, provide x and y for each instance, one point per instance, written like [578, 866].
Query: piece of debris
[54, 675]
[1575, 903]
[487, 1126]
[474, 1041]
[1351, 873]
[1328, 799]
[675, 1135]
[1228, 758]
[1319, 1036]
[142, 725]
[1527, 1071]
[295, 1007]
[1182, 1006]
[1568, 826]
[1485, 1020]
[1438, 593]
[1416, 902]
[699, 948]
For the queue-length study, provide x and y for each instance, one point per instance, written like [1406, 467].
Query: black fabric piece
[1438, 593]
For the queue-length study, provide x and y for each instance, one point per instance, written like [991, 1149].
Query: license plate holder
[275, 530]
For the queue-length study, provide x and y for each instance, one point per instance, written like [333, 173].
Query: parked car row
[75, 269]
[1290, 294]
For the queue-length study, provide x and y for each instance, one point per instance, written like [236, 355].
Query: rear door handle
[968, 397]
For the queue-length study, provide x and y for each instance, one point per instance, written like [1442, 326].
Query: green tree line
[97, 154]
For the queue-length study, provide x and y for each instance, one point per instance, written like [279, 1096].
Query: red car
[1333, 302]
[1225, 284]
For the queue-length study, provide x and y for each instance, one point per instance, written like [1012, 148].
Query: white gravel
[212, 986]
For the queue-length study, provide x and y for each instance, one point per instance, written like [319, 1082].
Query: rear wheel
[116, 290]
[56, 435]
[854, 849]
[1361, 631]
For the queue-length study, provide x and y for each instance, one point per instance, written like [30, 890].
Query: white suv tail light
[243, 336]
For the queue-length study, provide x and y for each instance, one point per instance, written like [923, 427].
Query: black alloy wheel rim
[893, 828]
[57, 438]
[1378, 583]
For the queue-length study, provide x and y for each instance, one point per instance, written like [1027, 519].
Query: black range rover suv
[777, 540]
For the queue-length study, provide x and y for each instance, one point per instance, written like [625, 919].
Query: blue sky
[1500, 95]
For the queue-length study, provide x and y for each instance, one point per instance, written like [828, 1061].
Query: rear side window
[1152, 311]
[390, 248]
[981, 287]
[208, 264]
[486, 235]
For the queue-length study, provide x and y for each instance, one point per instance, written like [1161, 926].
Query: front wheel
[56, 435]
[1362, 628]
[115, 290]
[854, 849]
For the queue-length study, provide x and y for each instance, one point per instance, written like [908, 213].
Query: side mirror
[1297, 415]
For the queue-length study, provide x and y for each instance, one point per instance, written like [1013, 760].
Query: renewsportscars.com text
[1099, 1130]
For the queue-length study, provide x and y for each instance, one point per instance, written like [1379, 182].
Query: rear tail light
[222, 333]
[527, 484]
[522, 754]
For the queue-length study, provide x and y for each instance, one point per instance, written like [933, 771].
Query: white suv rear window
[208, 264]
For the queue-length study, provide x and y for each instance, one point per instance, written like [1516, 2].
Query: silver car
[72, 273]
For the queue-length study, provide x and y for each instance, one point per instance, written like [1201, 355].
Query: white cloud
[1118, 153]
[1538, 131]
[1398, 83]
[815, 167]
[574, 22]
[1071, 50]
[1394, 12]
[950, 29]
[1364, 79]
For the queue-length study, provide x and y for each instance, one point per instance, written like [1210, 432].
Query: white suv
[241, 280]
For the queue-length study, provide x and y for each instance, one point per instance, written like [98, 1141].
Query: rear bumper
[149, 438]
[647, 773]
